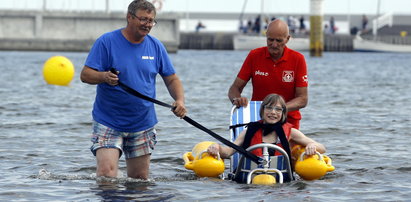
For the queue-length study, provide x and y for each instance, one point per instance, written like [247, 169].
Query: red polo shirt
[281, 77]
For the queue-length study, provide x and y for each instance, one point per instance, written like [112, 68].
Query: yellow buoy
[203, 164]
[311, 167]
[264, 179]
[58, 70]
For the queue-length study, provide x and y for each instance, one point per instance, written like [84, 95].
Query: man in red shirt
[274, 69]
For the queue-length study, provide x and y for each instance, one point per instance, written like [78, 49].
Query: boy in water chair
[275, 136]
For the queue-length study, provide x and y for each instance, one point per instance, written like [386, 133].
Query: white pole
[241, 16]
[349, 16]
[262, 17]
[187, 15]
[376, 20]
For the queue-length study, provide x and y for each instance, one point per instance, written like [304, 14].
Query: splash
[44, 174]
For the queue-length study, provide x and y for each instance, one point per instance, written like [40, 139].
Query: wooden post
[316, 28]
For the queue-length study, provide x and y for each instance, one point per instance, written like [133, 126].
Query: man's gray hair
[141, 5]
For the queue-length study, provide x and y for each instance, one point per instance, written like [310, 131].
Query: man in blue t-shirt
[123, 123]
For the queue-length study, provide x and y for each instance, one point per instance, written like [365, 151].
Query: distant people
[243, 27]
[364, 23]
[291, 23]
[327, 29]
[302, 25]
[257, 24]
[249, 25]
[354, 30]
[332, 25]
[199, 26]
[284, 72]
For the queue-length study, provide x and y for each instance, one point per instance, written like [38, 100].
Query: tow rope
[249, 155]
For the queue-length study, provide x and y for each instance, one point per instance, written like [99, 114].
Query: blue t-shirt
[139, 65]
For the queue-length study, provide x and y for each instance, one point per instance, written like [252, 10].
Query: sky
[232, 6]
[297, 7]
[291, 6]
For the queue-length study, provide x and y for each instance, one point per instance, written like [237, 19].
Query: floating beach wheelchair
[274, 168]
[269, 170]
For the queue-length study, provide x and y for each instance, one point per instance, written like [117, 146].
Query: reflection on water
[109, 190]
[358, 107]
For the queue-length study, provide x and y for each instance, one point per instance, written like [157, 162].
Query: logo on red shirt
[288, 76]
[261, 73]
[305, 78]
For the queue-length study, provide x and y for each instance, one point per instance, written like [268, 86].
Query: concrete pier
[224, 41]
[338, 43]
[77, 31]
[207, 40]
[73, 31]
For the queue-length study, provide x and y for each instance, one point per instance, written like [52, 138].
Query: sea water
[359, 108]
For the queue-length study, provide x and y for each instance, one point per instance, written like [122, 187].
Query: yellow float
[58, 70]
[311, 167]
[264, 179]
[203, 164]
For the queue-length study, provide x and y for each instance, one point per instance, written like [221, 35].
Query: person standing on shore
[332, 25]
[302, 25]
[274, 69]
[364, 23]
[123, 123]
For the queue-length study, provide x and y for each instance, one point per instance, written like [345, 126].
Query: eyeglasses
[277, 110]
[145, 20]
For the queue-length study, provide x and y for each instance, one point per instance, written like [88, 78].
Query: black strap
[280, 133]
[233, 127]
[253, 157]
[237, 125]
[252, 128]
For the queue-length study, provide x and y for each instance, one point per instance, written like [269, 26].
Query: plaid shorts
[133, 144]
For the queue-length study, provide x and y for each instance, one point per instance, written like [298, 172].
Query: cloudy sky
[252, 6]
